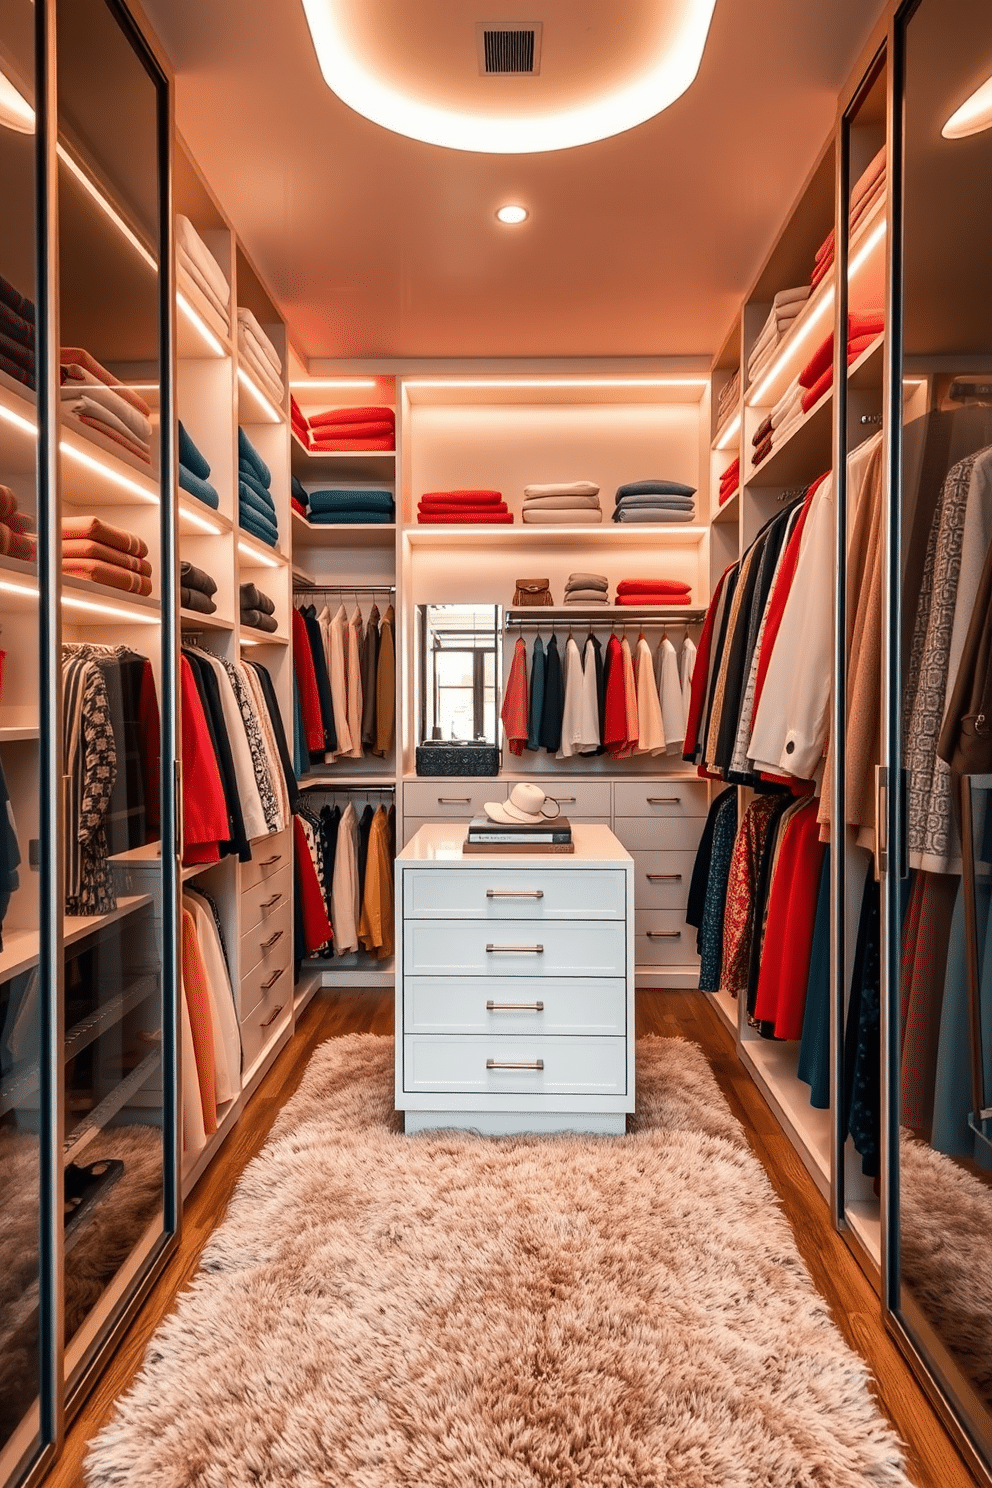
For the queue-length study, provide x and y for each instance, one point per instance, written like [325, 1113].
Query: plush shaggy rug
[450, 1311]
[944, 1244]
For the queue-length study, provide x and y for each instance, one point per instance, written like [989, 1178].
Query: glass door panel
[116, 581]
[938, 971]
[22, 1120]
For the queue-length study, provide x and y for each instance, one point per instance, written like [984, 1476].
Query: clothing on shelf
[256, 508]
[103, 403]
[653, 592]
[194, 471]
[92, 549]
[196, 589]
[587, 588]
[201, 279]
[17, 333]
[299, 496]
[259, 355]
[372, 428]
[574, 502]
[729, 397]
[868, 190]
[17, 539]
[340, 506]
[299, 422]
[465, 506]
[818, 374]
[730, 480]
[654, 501]
[787, 306]
[258, 610]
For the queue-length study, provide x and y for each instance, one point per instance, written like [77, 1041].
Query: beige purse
[532, 592]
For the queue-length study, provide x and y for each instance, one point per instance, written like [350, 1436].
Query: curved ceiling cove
[415, 69]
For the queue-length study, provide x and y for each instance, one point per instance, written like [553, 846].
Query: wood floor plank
[933, 1458]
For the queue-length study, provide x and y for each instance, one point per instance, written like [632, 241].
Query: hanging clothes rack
[344, 588]
[605, 615]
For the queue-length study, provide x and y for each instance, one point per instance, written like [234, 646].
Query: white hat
[527, 804]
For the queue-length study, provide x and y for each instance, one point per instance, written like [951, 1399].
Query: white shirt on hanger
[687, 665]
[589, 726]
[670, 692]
[650, 725]
[344, 884]
[571, 721]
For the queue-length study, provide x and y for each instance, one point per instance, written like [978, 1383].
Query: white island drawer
[515, 948]
[451, 1065]
[525, 1005]
[498, 894]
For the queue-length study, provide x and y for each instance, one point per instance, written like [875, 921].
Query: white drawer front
[580, 800]
[664, 939]
[270, 941]
[657, 798]
[661, 879]
[267, 1018]
[503, 893]
[439, 799]
[269, 855]
[524, 1006]
[263, 899]
[449, 1065]
[664, 834]
[515, 948]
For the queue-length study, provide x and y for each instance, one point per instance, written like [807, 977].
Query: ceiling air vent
[509, 47]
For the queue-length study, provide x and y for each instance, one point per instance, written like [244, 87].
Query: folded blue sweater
[257, 528]
[329, 501]
[251, 480]
[249, 501]
[190, 456]
[248, 452]
[336, 518]
[201, 489]
[655, 488]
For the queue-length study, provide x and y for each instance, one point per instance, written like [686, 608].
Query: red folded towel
[822, 358]
[83, 547]
[732, 470]
[375, 429]
[129, 444]
[107, 574]
[298, 506]
[858, 345]
[725, 495]
[865, 323]
[464, 498]
[386, 442]
[78, 356]
[97, 531]
[653, 599]
[480, 519]
[337, 416]
[815, 393]
[652, 586]
[17, 545]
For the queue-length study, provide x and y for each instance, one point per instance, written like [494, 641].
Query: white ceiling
[375, 245]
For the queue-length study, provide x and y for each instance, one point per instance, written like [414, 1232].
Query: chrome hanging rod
[605, 616]
[345, 788]
[300, 588]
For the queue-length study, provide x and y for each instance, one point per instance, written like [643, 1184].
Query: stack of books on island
[487, 836]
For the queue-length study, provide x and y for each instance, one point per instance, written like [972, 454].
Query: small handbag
[532, 592]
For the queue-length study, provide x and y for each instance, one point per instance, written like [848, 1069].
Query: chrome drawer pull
[663, 877]
[454, 800]
[565, 800]
[268, 903]
[268, 862]
[514, 1007]
[664, 935]
[500, 1064]
[268, 944]
[664, 800]
[272, 1018]
[535, 950]
[267, 986]
[514, 893]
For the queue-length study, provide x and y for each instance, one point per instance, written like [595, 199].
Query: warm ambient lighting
[256, 556]
[204, 331]
[730, 433]
[76, 603]
[974, 115]
[15, 111]
[554, 382]
[322, 383]
[9, 587]
[512, 214]
[204, 523]
[27, 426]
[357, 83]
[274, 416]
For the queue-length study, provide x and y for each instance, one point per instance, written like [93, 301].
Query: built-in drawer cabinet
[529, 1005]
[455, 800]
[270, 941]
[264, 978]
[518, 893]
[580, 800]
[270, 855]
[515, 948]
[264, 899]
[456, 1065]
[271, 997]
[657, 799]
[663, 938]
[661, 834]
[661, 879]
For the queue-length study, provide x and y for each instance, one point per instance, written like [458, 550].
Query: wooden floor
[934, 1461]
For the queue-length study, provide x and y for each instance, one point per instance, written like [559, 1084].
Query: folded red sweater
[464, 498]
[652, 586]
[374, 429]
[385, 442]
[108, 574]
[338, 416]
[462, 506]
[103, 532]
[651, 599]
[479, 518]
[17, 544]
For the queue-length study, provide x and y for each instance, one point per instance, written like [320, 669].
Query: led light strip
[133, 617]
[275, 415]
[197, 521]
[333, 382]
[198, 325]
[27, 426]
[106, 207]
[555, 382]
[256, 556]
[730, 433]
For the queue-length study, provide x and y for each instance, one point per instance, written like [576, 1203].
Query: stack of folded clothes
[779, 424]
[299, 496]
[727, 401]
[730, 480]
[200, 277]
[653, 592]
[100, 401]
[92, 549]
[353, 429]
[259, 356]
[193, 471]
[786, 307]
[587, 589]
[196, 589]
[572, 503]
[464, 507]
[654, 501]
[17, 538]
[329, 508]
[299, 421]
[868, 189]
[16, 334]
[863, 328]
[256, 509]
[257, 609]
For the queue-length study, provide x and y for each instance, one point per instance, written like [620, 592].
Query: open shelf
[196, 518]
[193, 620]
[97, 604]
[362, 466]
[610, 534]
[254, 404]
[88, 1029]
[196, 336]
[601, 614]
[773, 1065]
[250, 637]
[728, 512]
[14, 733]
[255, 554]
[342, 535]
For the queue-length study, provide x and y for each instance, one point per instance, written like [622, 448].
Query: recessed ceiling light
[974, 115]
[512, 214]
[355, 73]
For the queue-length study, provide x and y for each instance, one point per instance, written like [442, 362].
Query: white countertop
[440, 844]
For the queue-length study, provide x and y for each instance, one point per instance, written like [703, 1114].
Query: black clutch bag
[457, 759]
